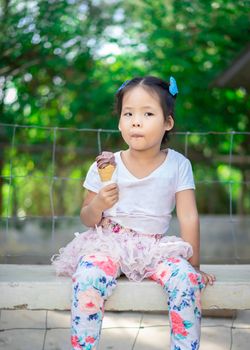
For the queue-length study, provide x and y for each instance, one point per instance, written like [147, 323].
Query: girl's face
[142, 121]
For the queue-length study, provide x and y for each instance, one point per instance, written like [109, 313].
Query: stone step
[37, 287]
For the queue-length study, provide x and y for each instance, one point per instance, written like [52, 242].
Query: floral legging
[96, 278]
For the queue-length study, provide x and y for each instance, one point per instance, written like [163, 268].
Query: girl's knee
[95, 275]
[92, 266]
[166, 269]
[186, 272]
[178, 270]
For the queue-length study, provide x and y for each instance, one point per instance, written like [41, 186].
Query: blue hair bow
[173, 86]
[123, 85]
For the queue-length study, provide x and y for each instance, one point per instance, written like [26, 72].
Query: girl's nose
[136, 124]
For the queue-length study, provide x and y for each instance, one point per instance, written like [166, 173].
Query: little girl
[127, 220]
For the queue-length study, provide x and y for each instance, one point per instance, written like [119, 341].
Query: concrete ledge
[37, 287]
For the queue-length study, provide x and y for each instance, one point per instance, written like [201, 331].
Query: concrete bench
[37, 287]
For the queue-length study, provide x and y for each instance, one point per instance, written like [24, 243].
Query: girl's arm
[95, 203]
[188, 218]
[190, 228]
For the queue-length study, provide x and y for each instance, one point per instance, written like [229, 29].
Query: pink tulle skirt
[137, 253]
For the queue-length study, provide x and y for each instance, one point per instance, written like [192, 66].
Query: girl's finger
[211, 279]
[208, 279]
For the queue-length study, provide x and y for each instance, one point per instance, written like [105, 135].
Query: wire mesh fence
[43, 168]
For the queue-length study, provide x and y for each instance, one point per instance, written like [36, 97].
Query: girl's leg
[183, 285]
[93, 282]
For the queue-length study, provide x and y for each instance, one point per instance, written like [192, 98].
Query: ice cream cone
[106, 166]
[106, 173]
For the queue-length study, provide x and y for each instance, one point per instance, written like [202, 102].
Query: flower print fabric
[89, 301]
[184, 286]
[93, 283]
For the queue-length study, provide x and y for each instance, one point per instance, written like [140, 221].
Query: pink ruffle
[137, 254]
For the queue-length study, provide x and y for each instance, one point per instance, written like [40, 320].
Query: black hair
[159, 86]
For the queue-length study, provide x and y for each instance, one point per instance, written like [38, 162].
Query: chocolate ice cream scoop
[105, 159]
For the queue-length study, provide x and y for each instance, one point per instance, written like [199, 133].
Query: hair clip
[173, 86]
[123, 85]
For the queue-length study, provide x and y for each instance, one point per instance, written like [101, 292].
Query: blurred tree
[47, 72]
[62, 60]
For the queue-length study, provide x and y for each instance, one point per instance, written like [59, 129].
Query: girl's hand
[107, 197]
[206, 277]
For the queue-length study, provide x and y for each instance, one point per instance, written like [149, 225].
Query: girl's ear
[169, 123]
[119, 126]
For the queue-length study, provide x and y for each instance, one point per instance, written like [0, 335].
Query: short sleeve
[92, 181]
[185, 176]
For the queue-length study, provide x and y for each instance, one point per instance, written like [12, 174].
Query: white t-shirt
[146, 204]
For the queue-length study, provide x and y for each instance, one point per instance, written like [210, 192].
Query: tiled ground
[41, 330]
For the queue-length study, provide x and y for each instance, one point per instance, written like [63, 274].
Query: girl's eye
[148, 114]
[127, 114]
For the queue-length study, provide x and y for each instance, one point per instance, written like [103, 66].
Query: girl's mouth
[136, 135]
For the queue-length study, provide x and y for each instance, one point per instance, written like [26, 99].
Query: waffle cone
[106, 173]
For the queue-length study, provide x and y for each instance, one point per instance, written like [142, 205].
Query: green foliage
[54, 72]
